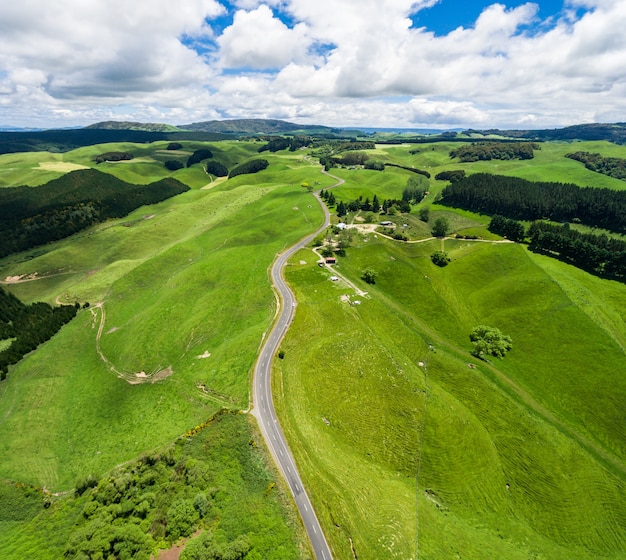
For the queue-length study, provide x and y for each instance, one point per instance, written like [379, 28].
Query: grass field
[406, 450]
[520, 458]
[180, 280]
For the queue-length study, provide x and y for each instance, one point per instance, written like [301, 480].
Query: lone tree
[440, 227]
[369, 276]
[440, 258]
[489, 341]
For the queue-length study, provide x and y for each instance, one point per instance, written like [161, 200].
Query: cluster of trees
[284, 143]
[173, 164]
[453, 176]
[352, 158]
[327, 152]
[495, 150]
[34, 216]
[216, 168]
[174, 146]
[611, 166]
[526, 200]
[411, 169]
[415, 190]
[388, 206]
[198, 156]
[211, 482]
[596, 253]
[600, 254]
[506, 227]
[113, 156]
[374, 165]
[27, 326]
[252, 166]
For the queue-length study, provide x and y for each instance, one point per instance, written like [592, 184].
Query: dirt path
[133, 378]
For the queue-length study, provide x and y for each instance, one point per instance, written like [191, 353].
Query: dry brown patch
[62, 166]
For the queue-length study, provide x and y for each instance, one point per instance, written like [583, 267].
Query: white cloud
[328, 61]
[257, 39]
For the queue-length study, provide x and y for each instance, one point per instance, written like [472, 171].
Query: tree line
[596, 253]
[27, 326]
[527, 200]
[252, 166]
[611, 166]
[34, 216]
[482, 151]
[283, 143]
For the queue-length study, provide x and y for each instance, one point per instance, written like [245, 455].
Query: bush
[489, 341]
[369, 276]
[173, 164]
[440, 258]
[174, 146]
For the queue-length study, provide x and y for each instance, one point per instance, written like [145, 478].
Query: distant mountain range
[61, 140]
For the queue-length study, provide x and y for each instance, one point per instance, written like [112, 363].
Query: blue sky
[387, 63]
[447, 15]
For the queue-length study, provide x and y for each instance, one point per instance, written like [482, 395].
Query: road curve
[263, 404]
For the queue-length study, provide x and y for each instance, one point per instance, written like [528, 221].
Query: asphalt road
[263, 405]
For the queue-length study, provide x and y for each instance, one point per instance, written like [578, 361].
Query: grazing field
[517, 458]
[180, 286]
[409, 446]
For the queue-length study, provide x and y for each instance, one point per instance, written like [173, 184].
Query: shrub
[489, 341]
[174, 164]
[369, 276]
[174, 146]
[440, 258]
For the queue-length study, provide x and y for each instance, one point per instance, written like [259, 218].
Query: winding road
[263, 404]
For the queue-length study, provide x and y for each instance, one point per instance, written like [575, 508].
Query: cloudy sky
[377, 63]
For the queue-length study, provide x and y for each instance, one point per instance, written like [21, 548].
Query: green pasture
[518, 458]
[183, 284]
[409, 446]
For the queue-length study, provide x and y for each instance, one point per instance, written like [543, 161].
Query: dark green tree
[440, 227]
[440, 258]
[369, 276]
[489, 341]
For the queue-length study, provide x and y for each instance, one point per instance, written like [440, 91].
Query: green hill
[255, 126]
[126, 125]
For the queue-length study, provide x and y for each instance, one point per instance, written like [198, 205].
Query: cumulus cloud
[259, 40]
[329, 61]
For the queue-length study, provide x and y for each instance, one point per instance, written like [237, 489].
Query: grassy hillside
[217, 471]
[409, 446]
[165, 277]
[517, 458]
